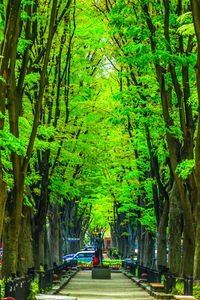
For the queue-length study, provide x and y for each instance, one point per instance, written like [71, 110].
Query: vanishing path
[119, 286]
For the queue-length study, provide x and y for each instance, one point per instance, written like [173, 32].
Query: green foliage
[34, 289]
[10, 142]
[148, 219]
[196, 291]
[184, 169]
[2, 284]
[178, 289]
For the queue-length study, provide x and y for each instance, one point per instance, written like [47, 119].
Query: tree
[15, 88]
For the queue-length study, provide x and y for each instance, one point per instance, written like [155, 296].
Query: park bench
[143, 277]
[56, 280]
[184, 297]
[159, 287]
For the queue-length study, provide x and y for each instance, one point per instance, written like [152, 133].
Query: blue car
[83, 256]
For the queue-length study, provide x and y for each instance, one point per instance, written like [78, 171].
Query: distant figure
[131, 258]
[99, 242]
[95, 259]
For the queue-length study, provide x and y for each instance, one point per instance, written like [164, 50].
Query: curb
[64, 282]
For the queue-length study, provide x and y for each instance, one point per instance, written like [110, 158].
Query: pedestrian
[95, 259]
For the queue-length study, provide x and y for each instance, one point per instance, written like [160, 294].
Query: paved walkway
[118, 287]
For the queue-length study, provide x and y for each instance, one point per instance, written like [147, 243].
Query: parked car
[89, 248]
[84, 256]
[68, 257]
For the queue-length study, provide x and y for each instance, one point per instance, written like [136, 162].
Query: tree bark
[175, 232]
[54, 233]
[162, 236]
[10, 36]
[3, 198]
[149, 250]
[25, 255]
[11, 231]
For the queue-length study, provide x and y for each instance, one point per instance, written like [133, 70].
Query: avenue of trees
[100, 129]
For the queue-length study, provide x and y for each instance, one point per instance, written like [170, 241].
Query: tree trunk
[54, 233]
[3, 197]
[25, 255]
[162, 237]
[140, 244]
[196, 273]
[11, 231]
[38, 248]
[149, 250]
[60, 246]
[11, 24]
[175, 225]
[47, 250]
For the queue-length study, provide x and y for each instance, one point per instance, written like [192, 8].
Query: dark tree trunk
[54, 233]
[3, 198]
[175, 231]
[11, 231]
[25, 254]
[149, 250]
[162, 237]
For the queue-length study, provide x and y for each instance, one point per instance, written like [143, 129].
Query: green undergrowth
[196, 291]
[179, 290]
[2, 284]
[34, 289]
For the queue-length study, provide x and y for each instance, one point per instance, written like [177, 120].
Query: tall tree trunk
[3, 197]
[47, 250]
[162, 236]
[174, 235]
[11, 231]
[38, 247]
[11, 32]
[196, 273]
[141, 244]
[149, 250]
[25, 255]
[54, 233]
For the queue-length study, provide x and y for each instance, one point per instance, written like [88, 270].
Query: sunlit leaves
[9, 141]
[184, 169]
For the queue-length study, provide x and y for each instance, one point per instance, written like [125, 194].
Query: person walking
[95, 259]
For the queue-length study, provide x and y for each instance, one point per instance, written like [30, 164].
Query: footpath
[83, 287]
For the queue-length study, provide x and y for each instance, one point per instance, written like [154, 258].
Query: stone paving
[118, 287]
